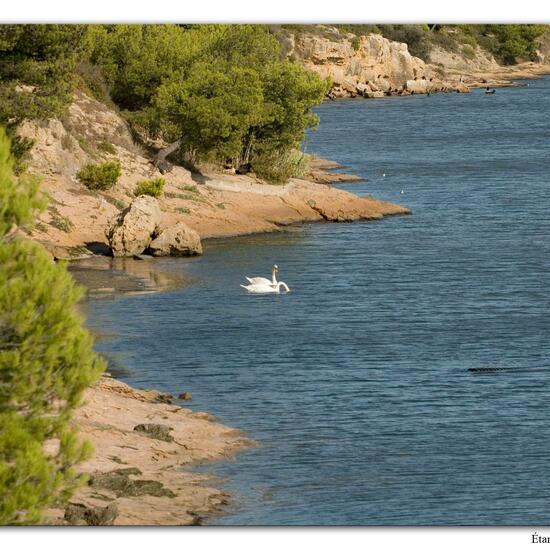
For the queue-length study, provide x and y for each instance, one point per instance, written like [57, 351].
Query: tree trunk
[160, 159]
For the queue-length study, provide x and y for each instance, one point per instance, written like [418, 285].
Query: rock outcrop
[139, 228]
[176, 240]
[132, 231]
[369, 66]
[136, 479]
[375, 67]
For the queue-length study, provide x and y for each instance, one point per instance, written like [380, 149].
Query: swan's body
[266, 289]
[261, 285]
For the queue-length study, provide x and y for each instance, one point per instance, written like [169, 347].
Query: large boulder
[176, 240]
[132, 231]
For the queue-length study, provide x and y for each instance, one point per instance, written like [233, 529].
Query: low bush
[468, 52]
[277, 167]
[106, 147]
[100, 176]
[152, 187]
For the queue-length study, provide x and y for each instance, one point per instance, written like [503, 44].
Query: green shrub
[277, 166]
[86, 147]
[355, 43]
[469, 40]
[20, 149]
[190, 188]
[151, 187]
[468, 52]
[106, 147]
[100, 176]
[46, 362]
[444, 40]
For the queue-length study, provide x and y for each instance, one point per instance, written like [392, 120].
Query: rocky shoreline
[372, 66]
[144, 446]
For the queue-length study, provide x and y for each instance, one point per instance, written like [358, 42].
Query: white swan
[261, 285]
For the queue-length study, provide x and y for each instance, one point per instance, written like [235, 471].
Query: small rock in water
[185, 396]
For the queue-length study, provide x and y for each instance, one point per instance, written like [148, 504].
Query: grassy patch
[86, 147]
[41, 227]
[106, 147]
[121, 205]
[62, 223]
[183, 210]
[190, 188]
[76, 251]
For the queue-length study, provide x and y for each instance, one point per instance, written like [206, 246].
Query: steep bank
[144, 446]
[373, 66]
[213, 204]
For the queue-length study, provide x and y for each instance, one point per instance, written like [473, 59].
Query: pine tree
[46, 361]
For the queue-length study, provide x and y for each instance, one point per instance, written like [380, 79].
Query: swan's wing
[260, 288]
[258, 281]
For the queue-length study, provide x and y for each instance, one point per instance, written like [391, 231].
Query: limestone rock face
[55, 151]
[176, 240]
[56, 148]
[381, 64]
[96, 122]
[373, 66]
[132, 231]
[418, 86]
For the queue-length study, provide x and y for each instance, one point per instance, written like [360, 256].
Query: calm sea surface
[356, 384]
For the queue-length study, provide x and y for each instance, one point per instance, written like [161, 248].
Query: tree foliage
[46, 361]
[226, 92]
[36, 73]
[511, 42]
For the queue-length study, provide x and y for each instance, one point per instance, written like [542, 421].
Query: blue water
[356, 384]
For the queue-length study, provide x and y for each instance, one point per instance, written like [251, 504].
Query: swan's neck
[273, 277]
[282, 285]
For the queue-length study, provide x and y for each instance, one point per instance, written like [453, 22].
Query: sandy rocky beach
[143, 444]
[146, 442]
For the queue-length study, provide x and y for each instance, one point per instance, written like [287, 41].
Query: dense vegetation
[508, 43]
[46, 361]
[225, 93]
